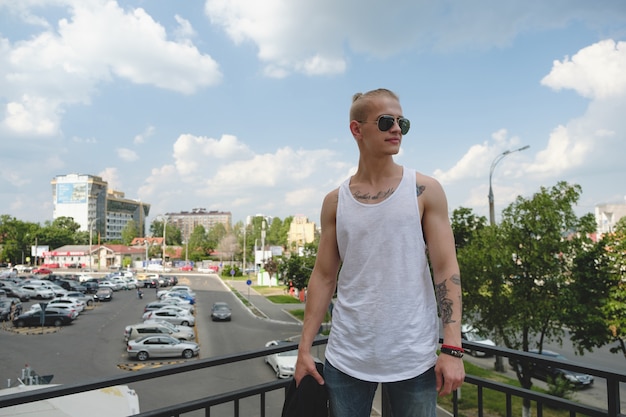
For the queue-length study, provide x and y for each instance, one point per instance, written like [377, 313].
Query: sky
[242, 105]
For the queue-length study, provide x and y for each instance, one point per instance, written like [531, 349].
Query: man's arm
[320, 289]
[447, 280]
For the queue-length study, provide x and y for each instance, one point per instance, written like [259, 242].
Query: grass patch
[494, 403]
[283, 299]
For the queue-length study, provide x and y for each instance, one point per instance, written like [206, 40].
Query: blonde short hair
[361, 102]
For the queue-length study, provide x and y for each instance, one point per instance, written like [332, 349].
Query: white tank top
[385, 323]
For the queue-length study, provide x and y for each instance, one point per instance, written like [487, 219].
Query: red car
[186, 268]
[41, 271]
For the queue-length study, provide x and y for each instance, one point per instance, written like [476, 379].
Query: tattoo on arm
[420, 189]
[445, 303]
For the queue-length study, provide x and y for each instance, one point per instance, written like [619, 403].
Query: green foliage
[517, 276]
[297, 269]
[465, 224]
[199, 248]
[129, 232]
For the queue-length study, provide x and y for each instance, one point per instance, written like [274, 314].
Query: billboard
[72, 193]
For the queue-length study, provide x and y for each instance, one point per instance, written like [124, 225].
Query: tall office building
[89, 201]
[187, 221]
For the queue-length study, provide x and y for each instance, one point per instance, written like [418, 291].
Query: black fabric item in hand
[309, 399]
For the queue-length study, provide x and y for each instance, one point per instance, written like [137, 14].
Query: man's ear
[355, 129]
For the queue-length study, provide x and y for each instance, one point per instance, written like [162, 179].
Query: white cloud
[143, 136]
[595, 72]
[42, 75]
[112, 177]
[127, 155]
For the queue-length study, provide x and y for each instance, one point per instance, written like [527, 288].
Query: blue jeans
[352, 397]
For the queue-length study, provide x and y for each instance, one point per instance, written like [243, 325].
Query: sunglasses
[386, 122]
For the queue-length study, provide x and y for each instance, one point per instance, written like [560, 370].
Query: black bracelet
[452, 352]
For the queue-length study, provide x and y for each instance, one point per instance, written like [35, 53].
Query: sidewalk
[262, 307]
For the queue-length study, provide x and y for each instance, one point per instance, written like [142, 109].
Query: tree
[297, 269]
[60, 232]
[173, 235]
[514, 274]
[464, 224]
[129, 232]
[599, 277]
[199, 247]
[216, 234]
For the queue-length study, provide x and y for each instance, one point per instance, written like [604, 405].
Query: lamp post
[164, 242]
[91, 222]
[492, 215]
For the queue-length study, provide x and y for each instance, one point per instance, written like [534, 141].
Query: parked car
[170, 307]
[37, 291]
[186, 268]
[471, 334]
[174, 317]
[135, 331]
[179, 294]
[103, 294]
[54, 317]
[14, 291]
[283, 363]
[78, 305]
[41, 271]
[157, 305]
[91, 286]
[161, 346]
[551, 373]
[56, 289]
[220, 311]
[77, 295]
[55, 308]
[5, 308]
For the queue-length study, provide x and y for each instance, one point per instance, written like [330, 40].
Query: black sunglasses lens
[405, 125]
[385, 123]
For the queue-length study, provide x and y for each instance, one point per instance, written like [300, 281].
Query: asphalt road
[92, 347]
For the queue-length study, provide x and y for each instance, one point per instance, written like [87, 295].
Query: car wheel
[19, 323]
[184, 323]
[143, 356]
[277, 370]
[89, 303]
[187, 353]
[58, 322]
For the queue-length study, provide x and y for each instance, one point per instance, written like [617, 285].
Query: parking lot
[92, 346]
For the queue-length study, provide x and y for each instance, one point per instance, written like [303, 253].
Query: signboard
[72, 193]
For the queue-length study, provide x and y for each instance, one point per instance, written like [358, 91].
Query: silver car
[161, 346]
[174, 317]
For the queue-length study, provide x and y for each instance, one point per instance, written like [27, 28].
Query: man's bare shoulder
[424, 183]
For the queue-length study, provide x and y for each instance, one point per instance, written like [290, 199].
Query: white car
[174, 317]
[109, 284]
[283, 363]
[56, 289]
[472, 334]
[37, 291]
[65, 309]
[174, 308]
[75, 304]
[77, 295]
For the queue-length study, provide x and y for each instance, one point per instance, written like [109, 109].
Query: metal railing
[612, 409]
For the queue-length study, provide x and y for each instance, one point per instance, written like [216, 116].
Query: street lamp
[492, 216]
[91, 222]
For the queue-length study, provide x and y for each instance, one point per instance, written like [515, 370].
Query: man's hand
[450, 373]
[305, 365]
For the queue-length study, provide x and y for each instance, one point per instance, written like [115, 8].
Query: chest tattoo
[381, 195]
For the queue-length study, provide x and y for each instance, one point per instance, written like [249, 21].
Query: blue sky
[242, 105]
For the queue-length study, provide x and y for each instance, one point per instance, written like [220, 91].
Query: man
[380, 229]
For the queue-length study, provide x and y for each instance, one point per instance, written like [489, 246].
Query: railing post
[612, 396]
